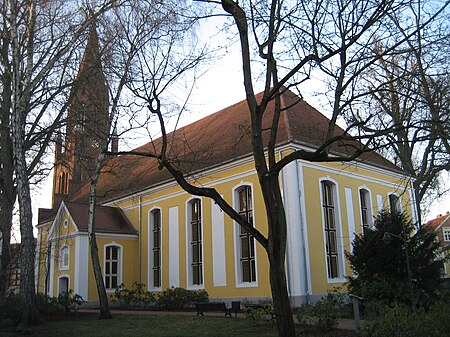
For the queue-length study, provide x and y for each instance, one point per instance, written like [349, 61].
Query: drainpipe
[139, 240]
[304, 235]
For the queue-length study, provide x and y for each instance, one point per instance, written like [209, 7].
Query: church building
[152, 232]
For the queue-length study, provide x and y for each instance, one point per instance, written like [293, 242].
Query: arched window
[64, 258]
[394, 204]
[195, 253]
[60, 184]
[155, 249]
[113, 277]
[329, 209]
[63, 285]
[366, 209]
[246, 244]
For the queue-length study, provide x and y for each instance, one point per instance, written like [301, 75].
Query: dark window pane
[245, 271]
[333, 244]
[244, 248]
[253, 267]
[334, 266]
[114, 253]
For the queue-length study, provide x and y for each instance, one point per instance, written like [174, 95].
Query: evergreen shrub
[399, 321]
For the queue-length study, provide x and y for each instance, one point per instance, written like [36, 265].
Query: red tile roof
[215, 140]
[107, 219]
[435, 223]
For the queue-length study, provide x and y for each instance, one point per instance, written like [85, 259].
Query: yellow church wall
[62, 235]
[135, 260]
[63, 272]
[128, 264]
[164, 199]
[344, 176]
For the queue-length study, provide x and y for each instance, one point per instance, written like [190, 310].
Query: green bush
[399, 321]
[136, 297]
[66, 302]
[261, 312]
[179, 298]
[69, 301]
[9, 308]
[324, 315]
[380, 266]
[168, 299]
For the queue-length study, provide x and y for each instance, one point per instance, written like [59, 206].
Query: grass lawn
[87, 325]
[152, 325]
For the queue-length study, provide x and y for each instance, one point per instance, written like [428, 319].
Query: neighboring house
[441, 226]
[13, 269]
[150, 231]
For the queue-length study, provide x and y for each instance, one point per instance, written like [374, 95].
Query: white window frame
[446, 234]
[119, 264]
[189, 271]
[237, 241]
[341, 278]
[61, 264]
[68, 282]
[399, 202]
[369, 207]
[151, 286]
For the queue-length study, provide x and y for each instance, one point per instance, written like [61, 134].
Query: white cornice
[243, 160]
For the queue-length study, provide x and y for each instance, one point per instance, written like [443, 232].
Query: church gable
[63, 224]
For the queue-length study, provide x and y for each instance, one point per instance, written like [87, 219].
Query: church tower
[87, 124]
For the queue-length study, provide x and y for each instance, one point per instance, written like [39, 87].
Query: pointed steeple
[87, 121]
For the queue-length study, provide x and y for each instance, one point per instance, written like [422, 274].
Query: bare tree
[134, 34]
[409, 87]
[36, 61]
[284, 43]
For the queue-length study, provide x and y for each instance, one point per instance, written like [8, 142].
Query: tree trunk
[276, 252]
[5, 227]
[7, 189]
[28, 312]
[105, 312]
[281, 305]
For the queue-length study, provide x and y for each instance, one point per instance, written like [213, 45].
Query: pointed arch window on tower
[63, 183]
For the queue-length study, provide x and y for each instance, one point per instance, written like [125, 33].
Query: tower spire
[87, 121]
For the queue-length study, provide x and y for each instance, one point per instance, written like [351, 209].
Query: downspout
[38, 260]
[139, 240]
[302, 232]
[304, 238]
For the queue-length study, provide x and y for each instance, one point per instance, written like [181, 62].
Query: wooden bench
[212, 306]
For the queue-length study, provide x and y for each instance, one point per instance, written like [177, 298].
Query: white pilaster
[218, 246]
[174, 248]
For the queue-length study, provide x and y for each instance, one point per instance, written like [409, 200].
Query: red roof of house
[215, 140]
[437, 225]
[107, 219]
[436, 222]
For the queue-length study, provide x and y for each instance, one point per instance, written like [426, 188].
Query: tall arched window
[394, 204]
[113, 277]
[195, 254]
[155, 249]
[366, 209]
[330, 227]
[246, 240]
[64, 258]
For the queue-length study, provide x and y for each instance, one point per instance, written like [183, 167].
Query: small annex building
[441, 227]
[150, 231]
